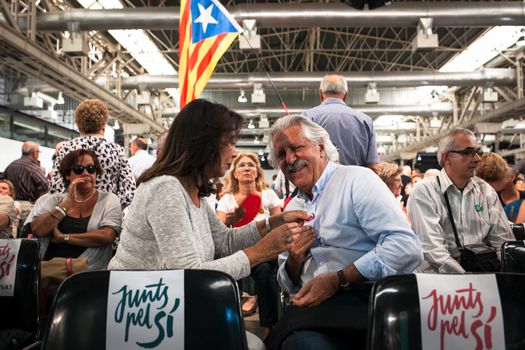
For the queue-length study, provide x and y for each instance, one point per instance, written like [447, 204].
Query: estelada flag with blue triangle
[206, 31]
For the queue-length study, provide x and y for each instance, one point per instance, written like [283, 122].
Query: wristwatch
[343, 282]
[66, 238]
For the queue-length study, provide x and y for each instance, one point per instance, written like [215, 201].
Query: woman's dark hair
[71, 159]
[192, 147]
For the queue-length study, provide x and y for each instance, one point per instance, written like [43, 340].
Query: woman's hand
[277, 241]
[235, 216]
[57, 236]
[298, 216]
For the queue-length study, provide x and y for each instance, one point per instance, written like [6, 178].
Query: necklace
[85, 200]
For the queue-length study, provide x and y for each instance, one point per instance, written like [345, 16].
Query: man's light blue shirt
[358, 221]
[351, 131]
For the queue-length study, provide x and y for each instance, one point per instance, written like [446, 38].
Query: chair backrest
[212, 313]
[394, 316]
[519, 231]
[20, 311]
[513, 256]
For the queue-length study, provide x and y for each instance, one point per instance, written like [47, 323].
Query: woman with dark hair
[91, 117]
[82, 222]
[169, 224]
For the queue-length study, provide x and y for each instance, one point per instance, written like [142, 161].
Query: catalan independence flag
[206, 30]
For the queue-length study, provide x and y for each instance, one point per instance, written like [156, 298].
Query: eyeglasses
[469, 151]
[79, 169]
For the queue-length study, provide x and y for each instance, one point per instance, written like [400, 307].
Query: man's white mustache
[296, 165]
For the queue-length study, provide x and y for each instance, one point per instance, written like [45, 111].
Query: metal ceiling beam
[451, 14]
[503, 111]
[67, 78]
[494, 76]
[424, 109]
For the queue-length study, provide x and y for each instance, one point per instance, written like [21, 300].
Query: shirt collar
[333, 100]
[321, 182]
[446, 183]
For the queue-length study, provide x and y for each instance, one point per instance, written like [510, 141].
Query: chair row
[209, 306]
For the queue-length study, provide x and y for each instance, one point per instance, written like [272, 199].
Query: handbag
[473, 257]
[56, 270]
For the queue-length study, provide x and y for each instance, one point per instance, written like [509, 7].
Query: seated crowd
[345, 228]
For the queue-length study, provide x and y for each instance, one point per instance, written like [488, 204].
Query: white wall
[11, 150]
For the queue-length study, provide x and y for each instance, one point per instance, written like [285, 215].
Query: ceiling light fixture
[60, 99]
[242, 98]
[521, 40]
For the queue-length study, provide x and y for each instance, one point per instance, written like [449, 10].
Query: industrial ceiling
[300, 41]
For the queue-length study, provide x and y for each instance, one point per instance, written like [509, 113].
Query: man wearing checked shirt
[361, 235]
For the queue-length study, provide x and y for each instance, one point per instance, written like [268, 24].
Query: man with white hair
[351, 131]
[476, 210]
[361, 236]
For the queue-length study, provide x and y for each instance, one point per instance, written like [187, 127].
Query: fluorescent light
[138, 44]
[484, 49]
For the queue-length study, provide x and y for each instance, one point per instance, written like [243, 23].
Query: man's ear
[322, 150]
[345, 96]
[321, 96]
[444, 158]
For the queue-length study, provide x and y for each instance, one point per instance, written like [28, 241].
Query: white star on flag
[205, 17]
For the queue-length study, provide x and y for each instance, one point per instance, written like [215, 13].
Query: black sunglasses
[79, 169]
[469, 151]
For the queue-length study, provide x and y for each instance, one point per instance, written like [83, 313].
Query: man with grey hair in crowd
[27, 177]
[476, 209]
[351, 131]
[361, 235]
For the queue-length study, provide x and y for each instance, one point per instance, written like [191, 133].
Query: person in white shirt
[477, 212]
[141, 160]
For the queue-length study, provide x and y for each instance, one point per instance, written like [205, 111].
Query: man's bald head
[31, 149]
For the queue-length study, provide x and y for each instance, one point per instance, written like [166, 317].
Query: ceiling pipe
[441, 108]
[495, 76]
[444, 14]
[504, 110]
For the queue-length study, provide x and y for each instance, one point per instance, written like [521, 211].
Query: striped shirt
[28, 178]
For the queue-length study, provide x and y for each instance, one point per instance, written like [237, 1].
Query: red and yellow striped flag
[206, 31]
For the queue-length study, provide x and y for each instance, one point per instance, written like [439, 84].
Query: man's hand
[301, 244]
[317, 290]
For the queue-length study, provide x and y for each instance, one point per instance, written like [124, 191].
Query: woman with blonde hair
[9, 210]
[390, 173]
[246, 180]
[495, 170]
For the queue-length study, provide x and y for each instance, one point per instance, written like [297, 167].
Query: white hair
[334, 84]
[311, 131]
[448, 142]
